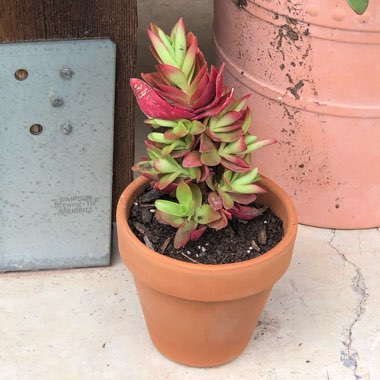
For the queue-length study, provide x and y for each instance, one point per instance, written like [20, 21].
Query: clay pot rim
[132, 189]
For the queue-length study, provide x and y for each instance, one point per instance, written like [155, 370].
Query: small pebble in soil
[146, 216]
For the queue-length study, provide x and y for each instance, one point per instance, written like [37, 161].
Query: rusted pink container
[313, 68]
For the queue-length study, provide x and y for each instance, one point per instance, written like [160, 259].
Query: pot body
[204, 315]
[313, 72]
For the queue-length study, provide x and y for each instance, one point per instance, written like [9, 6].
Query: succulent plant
[182, 87]
[200, 146]
[187, 214]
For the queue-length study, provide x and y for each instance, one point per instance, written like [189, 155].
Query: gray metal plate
[56, 186]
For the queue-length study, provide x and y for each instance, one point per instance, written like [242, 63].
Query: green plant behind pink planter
[314, 75]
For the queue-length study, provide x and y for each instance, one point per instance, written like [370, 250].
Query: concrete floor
[322, 320]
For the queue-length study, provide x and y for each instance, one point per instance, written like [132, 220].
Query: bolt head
[57, 102]
[66, 128]
[66, 73]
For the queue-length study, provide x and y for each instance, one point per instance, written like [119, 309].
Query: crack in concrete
[349, 356]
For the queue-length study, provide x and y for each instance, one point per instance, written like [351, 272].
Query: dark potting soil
[239, 241]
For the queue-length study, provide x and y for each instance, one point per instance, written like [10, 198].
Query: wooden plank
[22, 20]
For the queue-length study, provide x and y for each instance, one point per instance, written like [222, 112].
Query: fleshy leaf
[189, 60]
[183, 234]
[231, 166]
[161, 49]
[157, 123]
[153, 105]
[180, 42]
[258, 145]
[210, 181]
[198, 233]
[184, 195]
[227, 119]
[234, 160]
[176, 133]
[197, 127]
[166, 165]
[206, 145]
[205, 172]
[247, 121]
[174, 75]
[174, 221]
[247, 189]
[211, 158]
[359, 6]
[171, 208]
[167, 179]
[192, 159]
[206, 214]
[236, 147]
[144, 167]
[215, 201]
[196, 195]
[248, 177]
[245, 212]
[244, 199]
[228, 202]
[220, 223]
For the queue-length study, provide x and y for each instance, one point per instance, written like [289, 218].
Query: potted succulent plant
[200, 175]
[306, 65]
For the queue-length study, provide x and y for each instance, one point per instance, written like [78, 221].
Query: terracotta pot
[204, 315]
[312, 70]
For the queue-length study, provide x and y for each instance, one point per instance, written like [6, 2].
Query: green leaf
[171, 208]
[228, 201]
[157, 123]
[247, 189]
[167, 179]
[211, 158]
[206, 214]
[197, 127]
[196, 195]
[193, 173]
[165, 40]
[174, 75]
[247, 121]
[359, 6]
[247, 178]
[166, 165]
[174, 221]
[159, 137]
[184, 194]
[180, 42]
[161, 50]
[154, 153]
[183, 234]
[180, 130]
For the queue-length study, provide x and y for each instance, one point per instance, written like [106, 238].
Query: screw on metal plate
[66, 73]
[21, 74]
[57, 102]
[36, 129]
[66, 128]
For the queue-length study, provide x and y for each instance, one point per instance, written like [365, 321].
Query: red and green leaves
[230, 124]
[200, 145]
[182, 86]
[187, 214]
[233, 191]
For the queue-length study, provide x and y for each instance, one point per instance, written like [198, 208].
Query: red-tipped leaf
[153, 105]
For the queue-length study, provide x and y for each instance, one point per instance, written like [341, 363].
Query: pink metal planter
[313, 68]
